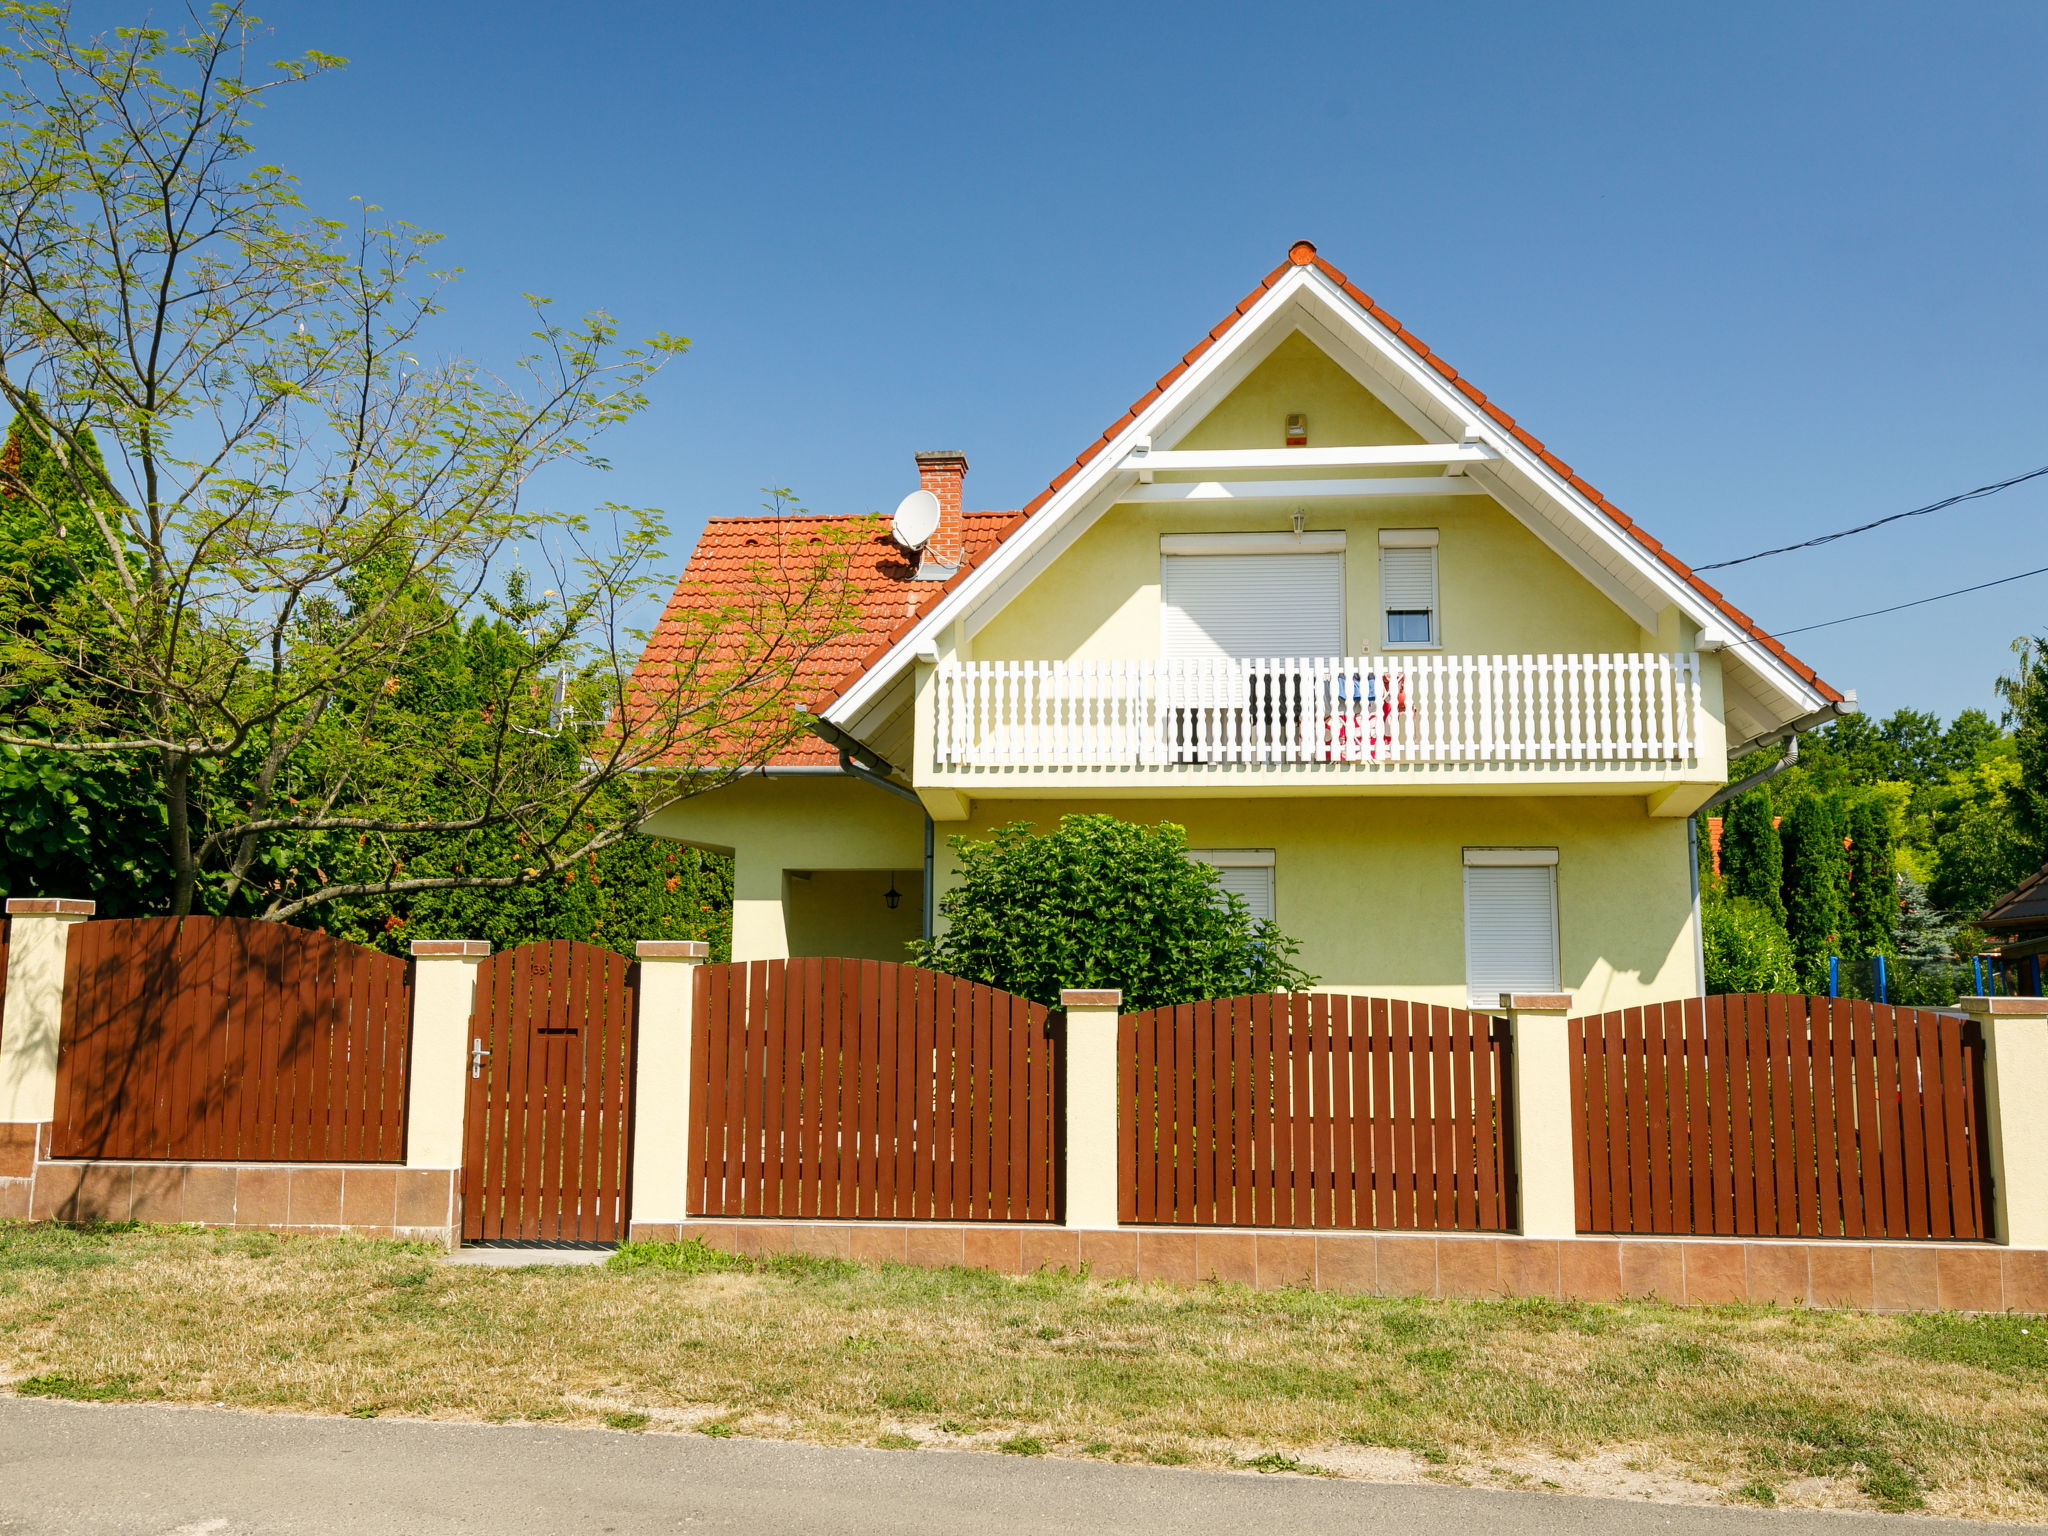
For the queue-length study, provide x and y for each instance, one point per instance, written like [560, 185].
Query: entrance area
[847, 914]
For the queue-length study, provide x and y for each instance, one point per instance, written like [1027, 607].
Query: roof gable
[1767, 687]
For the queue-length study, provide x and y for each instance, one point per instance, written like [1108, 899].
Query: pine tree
[1816, 871]
[1873, 899]
[1752, 862]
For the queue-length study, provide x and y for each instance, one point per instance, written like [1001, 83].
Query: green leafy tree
[1978, 851]
[1816, 870]
[2025, 692]
[1745, 946]
[303, 493]
[1872, 899]
[1752, 860]
[1101, 902]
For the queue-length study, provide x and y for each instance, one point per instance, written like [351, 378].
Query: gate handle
[477, 1053]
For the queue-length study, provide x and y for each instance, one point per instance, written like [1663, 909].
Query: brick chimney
[942, 474]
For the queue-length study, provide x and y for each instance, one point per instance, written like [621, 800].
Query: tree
[1872, 898]
[1744, 946]
[1815, 871]
[1752, 861]
[2025, 693]
[1101, 902]
[1979, 851]
[1930, 973]
[297, 503]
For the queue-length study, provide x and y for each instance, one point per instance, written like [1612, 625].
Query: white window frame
[1412, 538]
[1242, 858]
[1511, 858]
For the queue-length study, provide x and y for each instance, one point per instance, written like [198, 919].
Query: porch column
[1090, 1058]
[38, 932]
[1539, 1053]
[661, 1085]
[2015, 1114]
[443, 998]
[760, 912]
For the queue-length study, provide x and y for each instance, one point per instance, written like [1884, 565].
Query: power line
[1916, 603]
[1829, 538]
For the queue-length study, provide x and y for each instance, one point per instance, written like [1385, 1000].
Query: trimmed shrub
[1746, 950]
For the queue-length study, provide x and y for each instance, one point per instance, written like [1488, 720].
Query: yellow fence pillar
[661, 1083]
[39, 928]
[2015, 1114]
[1090, 1057]
[1539, 1054]
[443, 998]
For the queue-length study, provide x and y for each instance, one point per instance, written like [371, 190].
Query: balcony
[1623, 717]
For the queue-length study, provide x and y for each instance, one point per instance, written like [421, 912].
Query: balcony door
[1224, 608]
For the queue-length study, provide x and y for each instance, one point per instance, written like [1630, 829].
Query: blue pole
[1834, 975]
[1878, 961]
[1977, 973]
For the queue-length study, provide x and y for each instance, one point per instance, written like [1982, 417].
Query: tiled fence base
[369, 1200]
[1884, 1277]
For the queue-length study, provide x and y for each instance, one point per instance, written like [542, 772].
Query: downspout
[848, 746]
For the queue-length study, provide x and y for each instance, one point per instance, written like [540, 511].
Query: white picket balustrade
[1363, 710]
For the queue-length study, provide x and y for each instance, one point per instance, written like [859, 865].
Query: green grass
[1947, 1414]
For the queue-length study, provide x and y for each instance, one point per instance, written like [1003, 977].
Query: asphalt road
[73, 1467]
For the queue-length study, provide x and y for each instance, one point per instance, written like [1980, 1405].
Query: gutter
[877, 772]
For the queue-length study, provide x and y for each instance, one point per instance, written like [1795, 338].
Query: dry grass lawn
[1939, 1413]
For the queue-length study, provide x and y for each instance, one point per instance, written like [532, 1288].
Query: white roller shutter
[1246, 872]
[1408, 587]
[1510, 931]
[1276, 606]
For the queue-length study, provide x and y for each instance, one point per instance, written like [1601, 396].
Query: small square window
[1409, 627]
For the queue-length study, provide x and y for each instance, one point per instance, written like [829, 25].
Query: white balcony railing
[1367, 711]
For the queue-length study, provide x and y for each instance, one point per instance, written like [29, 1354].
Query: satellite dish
[917, 519]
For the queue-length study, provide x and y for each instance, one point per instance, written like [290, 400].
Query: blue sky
[1758, 272]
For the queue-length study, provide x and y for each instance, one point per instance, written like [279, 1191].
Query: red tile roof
[892, 603]
[733, 549]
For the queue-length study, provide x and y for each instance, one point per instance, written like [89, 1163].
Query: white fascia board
[1301, 490]
[1223, 460]
[1607, 536]
[1094, 487]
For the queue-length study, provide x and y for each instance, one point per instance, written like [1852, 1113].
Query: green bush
[1103, 903]
[1746, 950]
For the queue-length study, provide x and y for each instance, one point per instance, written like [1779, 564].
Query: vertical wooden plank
[1203, 1072]
[1242, 1195]
[1440, 1116]
[1358, 1084]
[814, 1094]
[1166, 1136]
[1301, 1113]
[1716, 1034]
[1885, 1118]
[1699, 1145]
[1381, 1050]
[1464, 1126]
[1130, 1108]
[698, 1130]
[1956, 1116]
[516, 1183]
[796, 1066]
[867, 1057]
[1264, 1107]
[1323, 1111]
[1402, 1032]
[1583, 1140]
[842, 1087]
[1895, 1041]
[1641, 1109]
[1039, 1099]
[960, 1090]
[1491, 1094]
[1801, 1066]
[1841, 1211]
[717, 1097]
[1343, 1123]
[1973, 1103]
[1924, 1029]
[598, 1092]
[1187, 1094]
[766, 1132]
[1017, 1159]
[1143, 1096]
[1749, 1118]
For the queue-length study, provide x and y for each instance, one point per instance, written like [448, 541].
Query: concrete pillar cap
[1537, 1002]
[672, 949]
[50, 906]
[1098, 997]
[436, 949]
[2009, 1007]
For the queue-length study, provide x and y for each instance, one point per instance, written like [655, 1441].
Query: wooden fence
[1779, 1116]
[841, 1089]
[1313, 1110]
[547, 1127]
[226, 1040]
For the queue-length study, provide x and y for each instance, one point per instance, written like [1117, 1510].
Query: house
[1421, 693]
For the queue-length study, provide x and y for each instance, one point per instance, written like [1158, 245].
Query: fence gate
[546, 1146]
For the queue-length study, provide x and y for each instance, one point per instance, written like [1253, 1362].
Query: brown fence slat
[1789, 1116]
[225, 1039]
[888, 1092]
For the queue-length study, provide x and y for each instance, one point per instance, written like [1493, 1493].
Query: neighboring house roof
[879, 575]
[894, 605]
[2023, 908]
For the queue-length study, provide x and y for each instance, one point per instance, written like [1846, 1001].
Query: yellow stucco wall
[845, 912]
[1374, 889]
[1501, 589]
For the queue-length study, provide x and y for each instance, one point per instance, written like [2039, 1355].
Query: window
[1408, 586]
[1256, 595]
[1246, 872]
[1510, 923]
